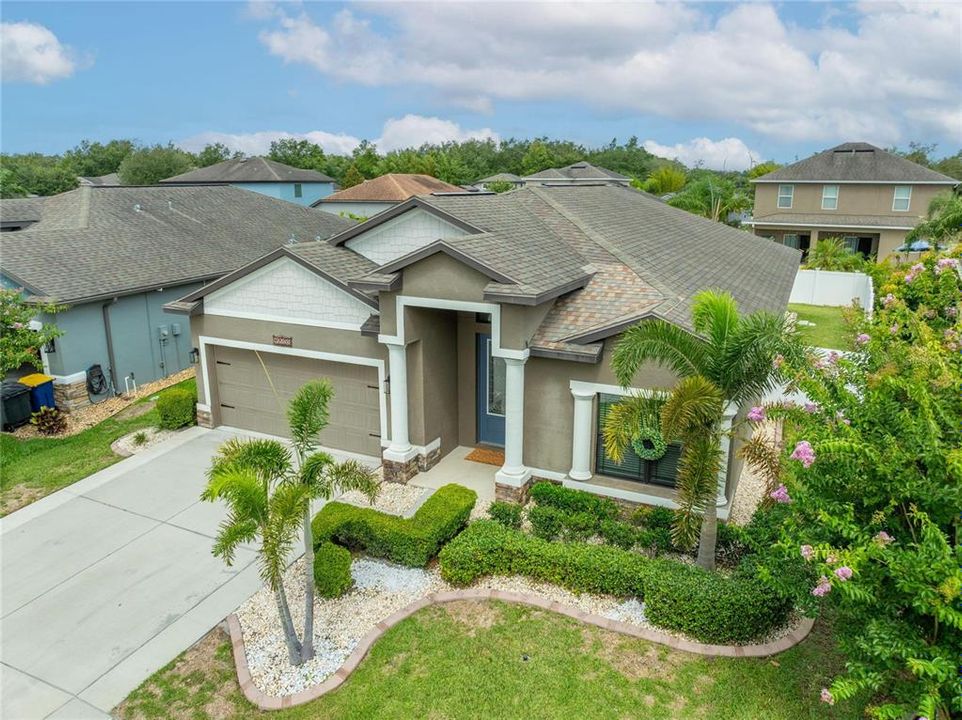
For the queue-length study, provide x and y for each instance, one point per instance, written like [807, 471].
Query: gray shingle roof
[503, 177]
[108, 179]
[856, 162]
[248, 170]
[578, 171]
[904, 220]
[96, 242]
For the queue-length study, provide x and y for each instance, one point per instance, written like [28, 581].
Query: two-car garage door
[248, 401]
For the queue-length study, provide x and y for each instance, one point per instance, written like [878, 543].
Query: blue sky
[721, 84]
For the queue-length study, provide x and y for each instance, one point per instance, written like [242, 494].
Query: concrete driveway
[108, 580]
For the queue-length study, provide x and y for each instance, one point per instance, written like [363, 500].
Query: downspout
[110, 345]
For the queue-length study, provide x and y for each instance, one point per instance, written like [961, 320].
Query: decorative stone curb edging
[271, 702]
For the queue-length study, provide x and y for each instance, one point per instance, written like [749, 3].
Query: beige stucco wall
[853, 199]
[433, 398]
[549, 405]
[342, 342]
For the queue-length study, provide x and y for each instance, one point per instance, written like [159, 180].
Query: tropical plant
[49, 421]
[871, 488]
[665, 179]
[499, 186]
[728, 359]
[832, 254]
[268, 491]
[943, 221]
[20, 342]
[711, 196]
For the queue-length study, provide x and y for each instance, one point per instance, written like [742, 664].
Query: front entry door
[491, 381]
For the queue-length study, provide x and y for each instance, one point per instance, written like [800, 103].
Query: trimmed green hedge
[332, 570]
[506, 513]
[707, 606]
[710, 607]
[177, 408]
[410, 541]
[488, 548]
[574, 501]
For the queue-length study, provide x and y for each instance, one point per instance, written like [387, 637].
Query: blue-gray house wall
[309, 192]
[134, 321]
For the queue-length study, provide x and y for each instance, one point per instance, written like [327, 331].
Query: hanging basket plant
[648, 444]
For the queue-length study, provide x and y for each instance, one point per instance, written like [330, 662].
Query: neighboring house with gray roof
[867, 196]
[578, 173]
[477, 319]
[115, 255]
[370, 197]
[263, 176]
[504, 177]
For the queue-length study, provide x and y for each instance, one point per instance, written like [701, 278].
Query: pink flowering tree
[869, 485]
[20, 338]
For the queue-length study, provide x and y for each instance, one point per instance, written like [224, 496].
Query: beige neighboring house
[457, 320]
[856, 191]
[381, 193]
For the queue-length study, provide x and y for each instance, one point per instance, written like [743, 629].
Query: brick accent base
[398, 472]
[204, 418]
[72, 396]
[512, 493]
[426, 462]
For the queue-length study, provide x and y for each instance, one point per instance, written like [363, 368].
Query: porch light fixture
[194, 356]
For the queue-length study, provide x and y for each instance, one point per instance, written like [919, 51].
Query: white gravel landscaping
[381, 589]
[393, 498]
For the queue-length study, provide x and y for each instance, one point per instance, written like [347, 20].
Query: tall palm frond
[661, 342]
[696, 485]
[714, 315]
[353, 475]
[623, 420]
[694, 406]
[307, 414]
[269, 459]
[744, 371]
[281, 531]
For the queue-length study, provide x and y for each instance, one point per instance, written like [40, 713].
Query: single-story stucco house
[477, 319]
[116, 255]
[263, 176]
[370, 197]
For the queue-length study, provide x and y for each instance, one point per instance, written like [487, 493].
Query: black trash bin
[15, 405]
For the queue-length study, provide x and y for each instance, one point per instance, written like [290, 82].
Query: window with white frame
[902, 198]
[791, 240]
[829, 197]
[785, 195]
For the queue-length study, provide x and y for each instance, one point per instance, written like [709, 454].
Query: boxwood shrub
[708, 607]
[574, 501]
[176, 408]
[332, 570]
[488, 548]
[506, 513]
[410, 541]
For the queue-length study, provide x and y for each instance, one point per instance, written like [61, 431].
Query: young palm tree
[268, 495]
[729, 359]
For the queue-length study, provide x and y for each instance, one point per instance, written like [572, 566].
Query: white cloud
[397, 134]
[31, 53]
[727, 154]
[889, 74]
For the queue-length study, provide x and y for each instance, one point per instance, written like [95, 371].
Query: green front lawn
[499, 660]
[33, 468]
[829, 329]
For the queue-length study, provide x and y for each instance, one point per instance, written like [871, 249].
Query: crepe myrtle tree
[19, 342]
[268, 491]
[729, 358]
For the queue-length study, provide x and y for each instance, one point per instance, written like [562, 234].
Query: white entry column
[581, 435]
[513, 472]
[400, 449]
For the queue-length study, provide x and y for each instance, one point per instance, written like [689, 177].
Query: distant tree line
[722, 196]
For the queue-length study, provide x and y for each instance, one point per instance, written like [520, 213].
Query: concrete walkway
[108, 580]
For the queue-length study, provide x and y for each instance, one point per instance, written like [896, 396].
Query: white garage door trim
[205, 340]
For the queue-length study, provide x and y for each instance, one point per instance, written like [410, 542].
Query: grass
[33, 468]
[829, 330]
[468, 660]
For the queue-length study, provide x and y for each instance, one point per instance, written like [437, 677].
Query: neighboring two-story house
[868, 197]
[263, 176]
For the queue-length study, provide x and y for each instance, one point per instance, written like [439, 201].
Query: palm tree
[729, 359]
[268, 493]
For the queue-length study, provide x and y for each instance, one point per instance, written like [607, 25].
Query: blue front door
[491, 380]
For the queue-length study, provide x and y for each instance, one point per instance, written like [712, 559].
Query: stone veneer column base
[430, 459]
[204, 418]
[71, 396]
[400, 472]
[513, 493]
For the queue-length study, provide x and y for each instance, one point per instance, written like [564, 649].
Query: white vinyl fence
[827, 287]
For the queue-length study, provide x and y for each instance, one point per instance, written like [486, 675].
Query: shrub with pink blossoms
[756, 414]
[780, 495]
[822, 588]
[804, 453]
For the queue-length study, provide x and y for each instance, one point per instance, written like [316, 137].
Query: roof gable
[393, 187]
[286, 290]
[249, 170]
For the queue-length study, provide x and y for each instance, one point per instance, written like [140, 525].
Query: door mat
[488, 456]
